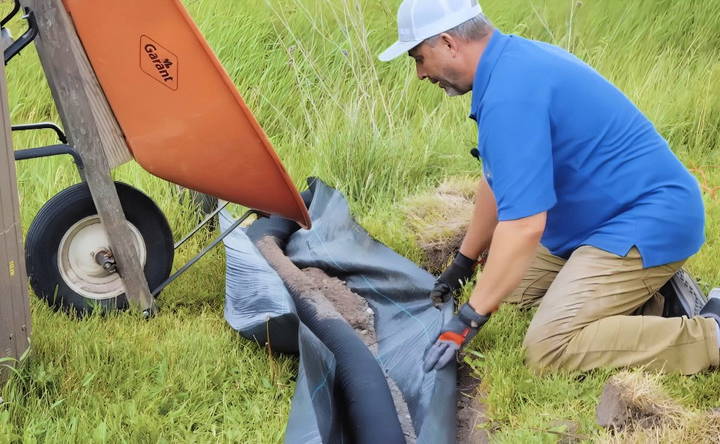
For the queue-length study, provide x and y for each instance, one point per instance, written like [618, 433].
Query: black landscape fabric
[259, 307]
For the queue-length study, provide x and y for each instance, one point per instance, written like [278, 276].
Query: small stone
[369, 311]
[612, 411]
[363, 332]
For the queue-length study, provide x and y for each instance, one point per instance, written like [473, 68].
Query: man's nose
[422, 75]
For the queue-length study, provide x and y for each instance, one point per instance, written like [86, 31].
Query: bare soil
[439, 253]
[299, 285]
[351, 306]
[470, 409]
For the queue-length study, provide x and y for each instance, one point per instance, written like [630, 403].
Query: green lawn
[308, 70]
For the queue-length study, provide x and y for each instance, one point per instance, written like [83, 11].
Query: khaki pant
[593, 312]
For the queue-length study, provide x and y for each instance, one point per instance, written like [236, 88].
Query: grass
[307, 68]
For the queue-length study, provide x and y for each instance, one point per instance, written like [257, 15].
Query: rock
[612, 410]
[633, 400]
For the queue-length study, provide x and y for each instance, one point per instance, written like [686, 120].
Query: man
[583, 209]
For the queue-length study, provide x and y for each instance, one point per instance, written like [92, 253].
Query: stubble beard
[452, 91]
[451, 88]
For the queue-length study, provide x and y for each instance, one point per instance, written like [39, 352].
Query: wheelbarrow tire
[68, 225]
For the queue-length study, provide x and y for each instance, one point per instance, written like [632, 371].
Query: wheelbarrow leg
[14, 303]
[93, 131]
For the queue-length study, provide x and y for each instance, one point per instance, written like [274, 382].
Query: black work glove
[453, 278]
[455, 334]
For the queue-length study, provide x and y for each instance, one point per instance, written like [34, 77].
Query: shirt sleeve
[516, 147]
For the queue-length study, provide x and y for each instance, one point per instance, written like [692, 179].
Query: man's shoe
[712, 307]
[683, 296]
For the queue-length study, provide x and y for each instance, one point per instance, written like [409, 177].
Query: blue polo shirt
[556, 136]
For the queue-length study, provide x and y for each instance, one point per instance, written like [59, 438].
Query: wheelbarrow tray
[180, 112]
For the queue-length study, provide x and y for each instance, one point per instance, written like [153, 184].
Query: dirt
[300, 285]
[351, 306]
[470, 409]
[402, 410]
[438, 254]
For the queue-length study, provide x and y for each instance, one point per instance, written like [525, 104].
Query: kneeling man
[583, 210]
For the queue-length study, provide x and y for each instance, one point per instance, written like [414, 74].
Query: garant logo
[158, 62]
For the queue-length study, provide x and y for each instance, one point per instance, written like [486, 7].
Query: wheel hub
[78, 263]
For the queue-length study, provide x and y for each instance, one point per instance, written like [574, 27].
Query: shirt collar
[485, 67]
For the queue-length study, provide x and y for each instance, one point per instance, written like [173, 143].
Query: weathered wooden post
[93, 131]
[14, 304]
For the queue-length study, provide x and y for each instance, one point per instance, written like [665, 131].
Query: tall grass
[308, 70]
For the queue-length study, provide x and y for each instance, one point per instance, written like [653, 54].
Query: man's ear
[450, 42]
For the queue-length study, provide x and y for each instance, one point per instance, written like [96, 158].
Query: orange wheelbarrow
[183, 120]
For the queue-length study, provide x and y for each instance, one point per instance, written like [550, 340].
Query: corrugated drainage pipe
[364, 393]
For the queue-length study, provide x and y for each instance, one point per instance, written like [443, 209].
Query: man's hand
[453, 278]
[455, 334]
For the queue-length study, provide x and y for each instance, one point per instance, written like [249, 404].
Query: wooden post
[14, 304]
[92, 129]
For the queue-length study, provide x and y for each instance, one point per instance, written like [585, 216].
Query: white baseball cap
[418, 20]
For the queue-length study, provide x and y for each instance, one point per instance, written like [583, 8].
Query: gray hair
[474, 29]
